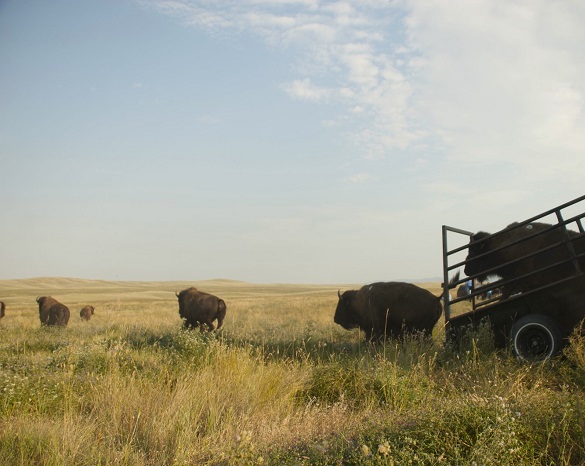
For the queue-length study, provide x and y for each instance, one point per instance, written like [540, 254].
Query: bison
[86, 312]
[52, 312]
[532, 255]
[388, 309]
[197, 308]
[2, 309]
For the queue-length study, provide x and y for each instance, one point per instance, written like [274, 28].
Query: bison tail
[221, 307]
[454, 279]
[221, 311]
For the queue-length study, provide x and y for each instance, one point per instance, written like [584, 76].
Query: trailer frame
[547, 313]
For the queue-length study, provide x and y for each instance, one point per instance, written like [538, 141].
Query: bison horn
[338, 294]
[176, 294]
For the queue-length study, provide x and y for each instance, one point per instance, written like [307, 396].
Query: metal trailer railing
[562, 223]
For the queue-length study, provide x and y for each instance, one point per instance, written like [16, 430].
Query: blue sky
[291, 141]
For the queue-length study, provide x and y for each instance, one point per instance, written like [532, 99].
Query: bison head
[345, 314]
[184, 297]
[41, 300]
[180, 295]
[476, 261]
[44, 310]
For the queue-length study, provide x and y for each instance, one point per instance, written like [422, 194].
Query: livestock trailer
[534, 296]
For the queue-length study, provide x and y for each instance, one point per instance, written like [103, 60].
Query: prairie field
[280, 384]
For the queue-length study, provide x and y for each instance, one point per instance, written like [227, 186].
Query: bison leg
[190, 324]
[220, 320]
[368, 332]
[210, 326]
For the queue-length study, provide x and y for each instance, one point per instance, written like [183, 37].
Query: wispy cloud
[306, 90]
[347, 56]
[481, 82]
[502, 82]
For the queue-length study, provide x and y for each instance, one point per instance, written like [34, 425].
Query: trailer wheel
[535, 338]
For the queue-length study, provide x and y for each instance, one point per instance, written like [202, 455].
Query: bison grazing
[513, 253]
[86, 312]
[197, 308]
[2, 309]
[388, 309]
[52, 312]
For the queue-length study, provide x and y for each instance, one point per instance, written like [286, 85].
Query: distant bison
[505, 254]
[52, 312]
[86, 312]
[388, 309]
[2, 309]
[197, 308]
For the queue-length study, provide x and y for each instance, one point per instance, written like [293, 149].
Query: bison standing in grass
[388, 310]
[2, 309]
[516, 253]
[52, 312]
[86, 312]
[197, 309]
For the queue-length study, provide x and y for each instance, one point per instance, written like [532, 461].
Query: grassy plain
[281, 384]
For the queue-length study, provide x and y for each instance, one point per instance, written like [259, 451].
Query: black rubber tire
[535, 337]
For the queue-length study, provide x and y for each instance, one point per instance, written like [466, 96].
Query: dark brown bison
[52, 312]
[86, 312]
[531, 255]
[197, 308]
[388, 309]
[2, 309]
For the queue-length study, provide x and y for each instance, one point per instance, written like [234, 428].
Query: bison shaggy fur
[52, 312]
[388, 310]
[198, 308]
[2, 309]
[86, 312]
[514, 252]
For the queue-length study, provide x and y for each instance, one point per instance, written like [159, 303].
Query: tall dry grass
[281, 384]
